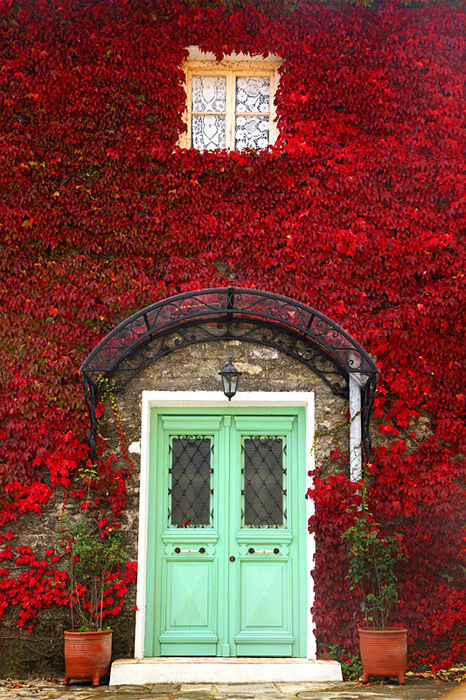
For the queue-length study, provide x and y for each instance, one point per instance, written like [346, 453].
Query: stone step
[222, 670]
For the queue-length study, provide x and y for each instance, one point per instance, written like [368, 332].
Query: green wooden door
[226, 557]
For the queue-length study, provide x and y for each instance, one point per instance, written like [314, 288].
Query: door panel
[184, 485]
[260, 531]
[190, 612]
[264, 609]
[263, 595]
[226, 568]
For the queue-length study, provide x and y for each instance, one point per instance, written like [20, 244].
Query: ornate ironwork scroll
[229, 313]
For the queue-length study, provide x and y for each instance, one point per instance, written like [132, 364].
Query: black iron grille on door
[264, 477]
[190, 490]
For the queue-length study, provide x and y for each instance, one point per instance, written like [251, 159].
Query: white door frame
[207, 399]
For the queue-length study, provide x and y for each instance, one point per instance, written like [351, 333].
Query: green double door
[226, 555]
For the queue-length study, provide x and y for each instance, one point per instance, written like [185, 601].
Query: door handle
[232, 558]
[251, 550]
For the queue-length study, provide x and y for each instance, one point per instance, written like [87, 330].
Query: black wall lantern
[230, 376]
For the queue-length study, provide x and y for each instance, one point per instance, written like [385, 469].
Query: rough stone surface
[415, 689]
[195, 368]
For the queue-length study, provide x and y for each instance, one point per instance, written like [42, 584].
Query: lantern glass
[230, 376]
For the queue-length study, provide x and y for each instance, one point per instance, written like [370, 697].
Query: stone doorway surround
[142, 670]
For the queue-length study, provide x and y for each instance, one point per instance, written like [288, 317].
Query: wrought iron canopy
[229, 313]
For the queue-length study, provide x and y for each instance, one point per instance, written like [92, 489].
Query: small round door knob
[232, 558]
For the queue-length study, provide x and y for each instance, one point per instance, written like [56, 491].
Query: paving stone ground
[415, 689]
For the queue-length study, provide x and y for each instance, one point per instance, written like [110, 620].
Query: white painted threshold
[219, 670]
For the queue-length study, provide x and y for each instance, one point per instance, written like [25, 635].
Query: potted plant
[373, 559]
[94, 554]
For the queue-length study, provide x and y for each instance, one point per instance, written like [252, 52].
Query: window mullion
[189, 105]
[230, 116]
[272, 120]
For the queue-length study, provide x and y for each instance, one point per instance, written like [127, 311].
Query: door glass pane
[190, 491]
[263, 482]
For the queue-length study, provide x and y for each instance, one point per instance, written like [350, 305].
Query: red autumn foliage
[356, 210]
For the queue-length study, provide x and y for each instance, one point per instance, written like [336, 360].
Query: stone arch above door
[234, 314]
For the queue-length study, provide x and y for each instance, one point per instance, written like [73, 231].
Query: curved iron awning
[229, 313]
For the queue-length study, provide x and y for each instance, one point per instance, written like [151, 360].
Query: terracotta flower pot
[87, 655]
[383, 653]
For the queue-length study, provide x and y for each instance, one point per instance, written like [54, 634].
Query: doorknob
[232, 558]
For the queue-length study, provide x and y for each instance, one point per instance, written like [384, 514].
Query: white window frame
[232, 66]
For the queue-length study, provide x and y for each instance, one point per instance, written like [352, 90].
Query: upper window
[230, 103]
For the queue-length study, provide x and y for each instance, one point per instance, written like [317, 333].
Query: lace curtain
[209, 112]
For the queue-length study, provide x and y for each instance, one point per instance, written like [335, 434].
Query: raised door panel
[189, 617]
[265, 607]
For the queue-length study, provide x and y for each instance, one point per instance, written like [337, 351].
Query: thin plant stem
[71, 594]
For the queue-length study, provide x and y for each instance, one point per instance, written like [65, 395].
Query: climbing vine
[356, 211]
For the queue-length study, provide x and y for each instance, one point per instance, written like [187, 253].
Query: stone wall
[191, 368]
[196, 368]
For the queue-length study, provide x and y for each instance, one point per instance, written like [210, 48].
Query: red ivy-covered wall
[356, 211]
